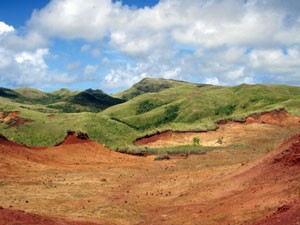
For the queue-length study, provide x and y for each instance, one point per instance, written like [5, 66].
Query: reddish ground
[13, 119]
[18, 217]
[228, 132]
[256, 181]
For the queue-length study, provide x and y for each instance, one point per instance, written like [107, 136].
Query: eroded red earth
[82, 182]
[12, 119]
[227, 132]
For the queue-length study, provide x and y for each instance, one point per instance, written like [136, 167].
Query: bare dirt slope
[228, 132]
[82, 182]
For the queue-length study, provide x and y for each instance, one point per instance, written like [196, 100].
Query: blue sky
[110, 45]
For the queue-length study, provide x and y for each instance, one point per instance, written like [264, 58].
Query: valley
[73, 168]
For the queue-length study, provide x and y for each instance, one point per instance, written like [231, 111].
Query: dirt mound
[274, 180]
[285, 214]
[74, 138]
[12, 119]
[278, 117]
[6, 142]
[291, 155]
[19, 217]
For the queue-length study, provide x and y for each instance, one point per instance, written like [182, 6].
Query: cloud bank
[224, 42]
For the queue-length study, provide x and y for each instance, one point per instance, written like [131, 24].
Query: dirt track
[82, 181]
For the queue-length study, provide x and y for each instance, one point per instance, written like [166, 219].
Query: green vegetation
[196, 141]
[184, 149]
[147, 85]
[154, 105]
[63, 100]
[146, 106]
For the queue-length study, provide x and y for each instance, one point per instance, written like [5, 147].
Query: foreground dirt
[257, 181]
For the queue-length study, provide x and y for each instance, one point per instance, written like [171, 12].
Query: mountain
[62, 100]
[96, 99]
[8, 93]
[64, 92]
[200, 106]
[153, 105]
[31, 93]
[147, 85]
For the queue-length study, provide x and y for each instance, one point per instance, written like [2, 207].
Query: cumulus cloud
[90, 69]
[208, 23]
[4, 28]
[222, 42]
[28, 68]
[23, 63]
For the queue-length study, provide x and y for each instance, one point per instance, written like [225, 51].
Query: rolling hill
[150, 106]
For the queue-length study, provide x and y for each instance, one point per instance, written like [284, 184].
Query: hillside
[185, 106]
[149, 85]
[62, 100]
[86, 183]
[154, 105]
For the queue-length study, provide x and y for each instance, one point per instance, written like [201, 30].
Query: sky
[111, 44]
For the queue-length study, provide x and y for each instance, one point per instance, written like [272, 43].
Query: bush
[196, 141]
[145, 106]
[162, 157]
[81, 135]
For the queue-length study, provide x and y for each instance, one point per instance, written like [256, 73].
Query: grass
[184, 149]
[160, 105]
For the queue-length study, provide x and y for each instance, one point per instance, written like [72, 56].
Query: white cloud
[275, 60]
[35, 59]
[29, 68]
[190, 21]
[85, 48]
[172, 74]
[75, 18]
[4, 28]
[90, 69]
[220, 41]
[212, 80]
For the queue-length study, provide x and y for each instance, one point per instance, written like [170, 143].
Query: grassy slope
[201, 106]
[44, 131]
[31, 93]
[62, 100]
[191, 106]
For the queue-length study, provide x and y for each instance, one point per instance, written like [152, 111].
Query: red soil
[13, 116]
[280, 167]
[204, 189]
[4, 141]
[18, 217]
[276, 117]
[225, 133]
[72, 138]
[288, 214]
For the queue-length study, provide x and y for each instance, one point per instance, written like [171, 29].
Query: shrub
[145, 106]
[162, 157]
[196, 141]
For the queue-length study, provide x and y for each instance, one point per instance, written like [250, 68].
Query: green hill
[148, 85]
[95, 99]
[64, 92]
[153, 105]
[197, 107]
[8, 93]
[31, 93]
[62, 100]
